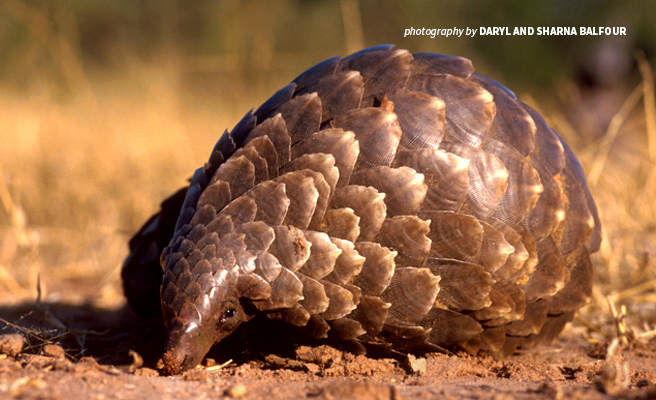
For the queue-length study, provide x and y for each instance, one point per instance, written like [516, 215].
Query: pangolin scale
[385, 198]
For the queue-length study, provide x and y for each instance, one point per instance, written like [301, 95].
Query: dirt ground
[120, 353]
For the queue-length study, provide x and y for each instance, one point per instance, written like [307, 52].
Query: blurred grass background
[107, 107]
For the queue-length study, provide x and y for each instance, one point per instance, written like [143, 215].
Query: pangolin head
[201, 305]
[188, 341]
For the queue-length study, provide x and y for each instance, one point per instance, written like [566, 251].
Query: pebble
[11, 344]
[53, 350]
[236, 391]
[417, 365]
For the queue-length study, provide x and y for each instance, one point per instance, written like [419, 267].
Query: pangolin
[385, 198]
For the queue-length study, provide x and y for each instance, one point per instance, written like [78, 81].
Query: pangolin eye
[228, 314]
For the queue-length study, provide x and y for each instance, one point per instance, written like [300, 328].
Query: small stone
[53, 350]
[312, 368]
[417, 365]
[236, 391]
[11, 344]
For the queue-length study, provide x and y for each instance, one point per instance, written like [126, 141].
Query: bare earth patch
[108, 369]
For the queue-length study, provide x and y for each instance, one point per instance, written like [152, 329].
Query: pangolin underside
[382, 199]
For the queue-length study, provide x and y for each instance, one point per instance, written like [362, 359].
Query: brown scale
[384, 200]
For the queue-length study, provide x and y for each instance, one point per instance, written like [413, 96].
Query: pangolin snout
[184, 351]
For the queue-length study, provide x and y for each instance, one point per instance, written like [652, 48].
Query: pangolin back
[384, 198]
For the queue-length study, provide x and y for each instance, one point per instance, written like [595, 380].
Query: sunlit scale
[191, 327]
[388, 201]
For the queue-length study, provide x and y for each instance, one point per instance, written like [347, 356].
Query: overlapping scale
[578, 223]
[377, 131]
[290, 247]
[403, 187]
[494, 250]
[446, 175]
[303, 195]
[383, 70]
[348, 264]
[241, 210]
[217, 195]
[302, 116]
[411, 293]
[367, 203]
[239, 172]
[407, 235]
[512, 124]
[347, 329]
[342, 145]
[578, 286]
[463, 285]
[549, 211]
[286, 291]
[469, 111]
[267, 151]
[323, 255]
[341, 223]
[377, 270]
[275, 129]
[453, 235]
[450, 327]
[524, 186]
[314, 300]
[488, 180]
[280, 97]
[271, 202]
[421, 118]
[338, 92]
[432, 63]
[341, 302]
[260, 167]
[324, 68]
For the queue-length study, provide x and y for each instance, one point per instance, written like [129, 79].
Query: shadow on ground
[109, 334]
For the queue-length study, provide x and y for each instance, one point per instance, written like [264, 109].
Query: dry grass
[77, 178]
